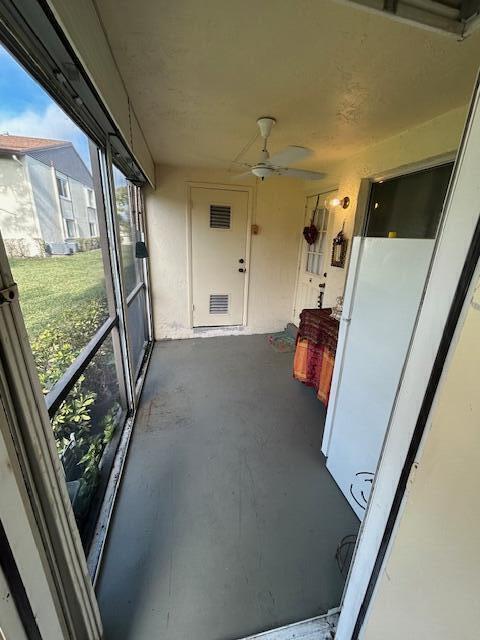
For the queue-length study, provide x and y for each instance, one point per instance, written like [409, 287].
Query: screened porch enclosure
[71, 222]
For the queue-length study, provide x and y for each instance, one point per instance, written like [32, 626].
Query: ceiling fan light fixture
[262, 172]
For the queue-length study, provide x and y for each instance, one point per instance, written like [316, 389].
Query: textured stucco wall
[430, 586]
[278, 210]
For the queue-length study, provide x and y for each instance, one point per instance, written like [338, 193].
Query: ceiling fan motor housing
[262, 171]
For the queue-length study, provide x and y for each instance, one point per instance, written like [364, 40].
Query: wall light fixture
[343, 202]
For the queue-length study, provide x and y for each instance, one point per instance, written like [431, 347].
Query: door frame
[250, 214]
[313, 194]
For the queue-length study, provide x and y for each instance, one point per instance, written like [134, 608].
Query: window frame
[90, 197]
[64, 191]
[67, 222]
[33, 36]
[137, 219]
[322, 235]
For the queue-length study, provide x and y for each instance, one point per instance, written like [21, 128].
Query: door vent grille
[218, 303]
[220, 216]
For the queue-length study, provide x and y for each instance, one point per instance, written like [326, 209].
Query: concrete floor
[227, 520]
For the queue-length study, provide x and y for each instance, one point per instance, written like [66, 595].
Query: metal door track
[319, 628]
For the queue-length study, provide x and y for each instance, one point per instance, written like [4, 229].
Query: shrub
[56, 347]
[87, 244]
[81, 434]
[25, 247]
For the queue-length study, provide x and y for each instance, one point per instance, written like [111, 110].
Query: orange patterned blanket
[314, 358]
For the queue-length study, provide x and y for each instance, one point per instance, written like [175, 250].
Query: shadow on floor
[227, 521]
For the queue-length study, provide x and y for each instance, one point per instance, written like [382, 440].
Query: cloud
[51, 123]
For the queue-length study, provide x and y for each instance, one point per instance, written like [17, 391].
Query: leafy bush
[87, 244]
[25, 247]
[56, 347]
[81, 431]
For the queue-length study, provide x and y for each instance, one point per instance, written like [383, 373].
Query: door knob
[242, 270]
[241, 261]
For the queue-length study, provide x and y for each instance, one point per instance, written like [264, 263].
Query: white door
[379, 314]
[313, 258]
[219, 239]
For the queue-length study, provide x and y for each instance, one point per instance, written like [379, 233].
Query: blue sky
[27, 110]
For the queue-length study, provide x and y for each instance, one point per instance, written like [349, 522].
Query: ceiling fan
[277, 164]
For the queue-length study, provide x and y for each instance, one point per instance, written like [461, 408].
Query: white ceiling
[336, 77]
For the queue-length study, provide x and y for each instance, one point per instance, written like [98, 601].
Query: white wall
[430, 586]
[18, 220]
[44, 193]
[279, 210]
[431, 139]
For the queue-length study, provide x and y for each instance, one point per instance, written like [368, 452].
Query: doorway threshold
[220, 330]
[318, 628]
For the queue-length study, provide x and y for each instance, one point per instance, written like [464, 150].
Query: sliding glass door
[71, 230]
[133, 254]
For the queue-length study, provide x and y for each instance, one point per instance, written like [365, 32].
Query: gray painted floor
[227, 520]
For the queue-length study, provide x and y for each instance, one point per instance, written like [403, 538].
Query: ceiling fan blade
[247, 174]
[300, 173]
[244, 165]
[290, 155]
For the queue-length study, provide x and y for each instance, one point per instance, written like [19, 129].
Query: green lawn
[50, 286]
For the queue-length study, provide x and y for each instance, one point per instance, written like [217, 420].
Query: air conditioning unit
[62, 248]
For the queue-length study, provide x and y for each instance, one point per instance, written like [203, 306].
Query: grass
[50, 286]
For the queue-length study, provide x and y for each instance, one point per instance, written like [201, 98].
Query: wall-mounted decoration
[339, 249]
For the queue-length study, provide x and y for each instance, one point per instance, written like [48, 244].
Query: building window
[70, 228]
[63, 190]
[90, 196]
[93, 229]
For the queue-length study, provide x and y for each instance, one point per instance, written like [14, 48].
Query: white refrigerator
[383, 292]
